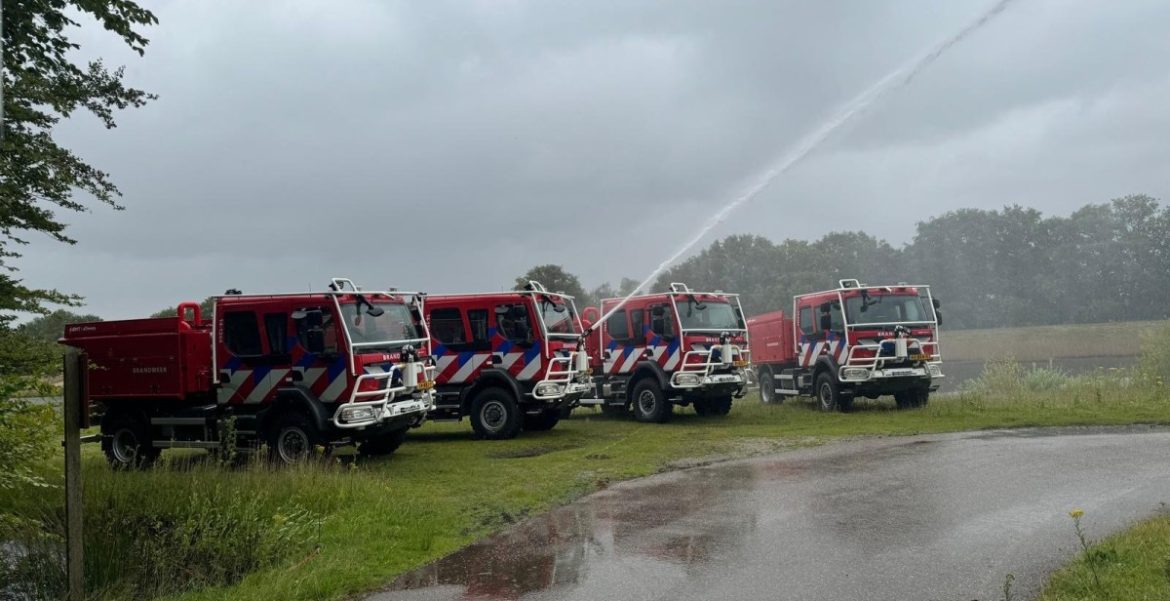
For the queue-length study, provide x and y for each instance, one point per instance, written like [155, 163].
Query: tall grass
[176, 529]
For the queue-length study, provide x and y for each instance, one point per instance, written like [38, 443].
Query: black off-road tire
[495, 415]
[292, 438]
[126, 441]
[543, 421]
[827, 392]
[384, 444]
[650, 404]
[768, 386]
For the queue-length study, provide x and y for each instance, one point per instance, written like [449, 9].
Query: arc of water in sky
[897, 79]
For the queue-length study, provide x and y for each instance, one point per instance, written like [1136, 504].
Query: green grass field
[357, 525]
[1041, 343]
[1131, 566]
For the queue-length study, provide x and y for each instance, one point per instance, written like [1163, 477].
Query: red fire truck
[673, 348]
[508, 360]
[293, 371]
[855, 340]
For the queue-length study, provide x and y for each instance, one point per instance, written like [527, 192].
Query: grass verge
[1131, 566]
[339, 527]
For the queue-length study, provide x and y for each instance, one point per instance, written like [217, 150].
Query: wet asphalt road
[928, 517]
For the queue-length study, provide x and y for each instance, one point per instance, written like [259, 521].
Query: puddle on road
[681, 523]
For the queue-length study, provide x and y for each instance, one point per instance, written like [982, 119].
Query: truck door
[319, 362]
[517, 340]
[663, 336]
[253, 360]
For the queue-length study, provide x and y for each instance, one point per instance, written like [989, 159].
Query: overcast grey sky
[451, 145]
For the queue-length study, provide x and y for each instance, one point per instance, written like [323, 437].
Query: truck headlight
[687, 380]
[854, 373]
[934, 369]
[352, 415]
[548, 389]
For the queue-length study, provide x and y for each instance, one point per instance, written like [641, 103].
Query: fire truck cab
[675, 348]
[510, 361]
[293, 371]
[855, 340]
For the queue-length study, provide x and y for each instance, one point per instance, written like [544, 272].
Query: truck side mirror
[937, 317]
[826, 307]
[936, 303]
[826, 322]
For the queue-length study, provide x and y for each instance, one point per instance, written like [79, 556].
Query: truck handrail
[704, 366]
[563, 377]
[386, 395]
[877, 361]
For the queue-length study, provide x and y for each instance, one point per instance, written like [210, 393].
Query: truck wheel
[495, 414]
[650, 404]
[767, 385]
[126, 442]
[719, 406]
[382, 445]
[912, 399]
[827, 392]
[293, 438]
[542, 422]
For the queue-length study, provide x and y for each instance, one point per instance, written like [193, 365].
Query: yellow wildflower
[1076, 513]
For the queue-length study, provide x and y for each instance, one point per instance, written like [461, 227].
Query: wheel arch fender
[487, 379]
[646, 369]
[298, 399]
[826, 364]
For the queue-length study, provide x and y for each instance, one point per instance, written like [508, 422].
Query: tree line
[991, 268]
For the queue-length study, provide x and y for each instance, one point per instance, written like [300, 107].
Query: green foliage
[555, 279]
[27, 432]
[48, 328]
[605, 290]
[42, 85]
[205, 306]
[22, 355]
[1131, 566]
[157, 542]
[1009, 267]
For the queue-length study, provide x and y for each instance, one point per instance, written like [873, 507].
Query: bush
[146, 541]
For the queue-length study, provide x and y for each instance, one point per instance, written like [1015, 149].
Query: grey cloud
[451, 145]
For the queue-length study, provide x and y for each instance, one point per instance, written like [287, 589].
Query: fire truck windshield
[393, 325]
[886, 308]
[708, 315]
[558, 317]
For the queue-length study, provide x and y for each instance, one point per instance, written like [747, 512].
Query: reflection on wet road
[932, 517]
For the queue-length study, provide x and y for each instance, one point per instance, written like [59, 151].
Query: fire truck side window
[661, 321]
[837, 319]
[514, 323]
[276, 328]
[806, 321]
[317, 328]
[637, 323]
[447, 326]
[479, 327]
[618, 328]
[241, 334]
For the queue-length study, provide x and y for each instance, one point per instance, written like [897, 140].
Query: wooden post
[76, 413]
